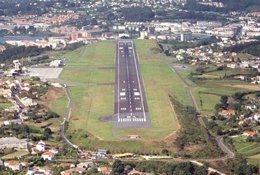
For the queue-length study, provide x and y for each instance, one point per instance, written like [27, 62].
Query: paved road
[229, 153]
[130, 106]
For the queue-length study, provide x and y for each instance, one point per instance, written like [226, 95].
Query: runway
[130, 107]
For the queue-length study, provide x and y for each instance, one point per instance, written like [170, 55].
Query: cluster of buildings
[249, 117]
[42, 22]
[183, 31]
[65, 27]
[14, 92]
[214, 53]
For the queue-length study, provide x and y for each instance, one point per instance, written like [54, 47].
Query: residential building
[13, 165]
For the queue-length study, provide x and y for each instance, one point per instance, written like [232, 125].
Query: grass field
[207, 101]
[59, 105]
[91, 101]
[85, 71]
[4, 105]
[251, 150]
[16, 154]
[254, 159]
[205, 92]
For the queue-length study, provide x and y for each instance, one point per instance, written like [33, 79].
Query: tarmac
[130, 109]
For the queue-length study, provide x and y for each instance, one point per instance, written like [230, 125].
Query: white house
[27, 101]
[38, 171]
[13, 165]
[48, 155]
[57, 63]
[40, 146]
[257, 117]
[15, 122]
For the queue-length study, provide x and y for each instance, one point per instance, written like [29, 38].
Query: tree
[118, 167]
[212, 124]
[185, 168]
[201, 170]
[47, 133]
[224, 100]
[200, 70]
[249, 139]
[238, 96]
[165, 152]
[218, 106]
[141, 14]
[167, 53]
[214, 173]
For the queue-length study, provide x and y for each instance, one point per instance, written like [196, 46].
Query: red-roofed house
[250, 133]
[48, 155]
[227, 113]
[13, 165]
[105, 170]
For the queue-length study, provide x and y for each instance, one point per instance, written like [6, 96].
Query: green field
[207, 91]
[254, 159]
[4, 105]
[59, 105]
[251, 150]
[16, 154]
[90, 66]
[90, 100]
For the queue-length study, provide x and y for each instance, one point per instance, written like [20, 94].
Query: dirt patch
[172, 137]
[53, 93]
[109, 67]
[106, 118]
[193, 148]
[249, 87]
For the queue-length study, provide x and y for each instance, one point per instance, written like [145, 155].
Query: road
[130, 107]
[66, 119]
[219, 139]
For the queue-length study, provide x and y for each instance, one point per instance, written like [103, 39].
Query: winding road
[219, 139]
[66, 118]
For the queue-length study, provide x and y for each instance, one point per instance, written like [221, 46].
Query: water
[22, 37]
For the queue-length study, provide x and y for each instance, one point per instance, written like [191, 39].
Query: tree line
[229, 5]
[138, 14]
[14, 53]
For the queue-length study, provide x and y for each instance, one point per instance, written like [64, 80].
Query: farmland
[249, 150]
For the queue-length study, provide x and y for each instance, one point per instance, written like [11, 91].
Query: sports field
[90, 75]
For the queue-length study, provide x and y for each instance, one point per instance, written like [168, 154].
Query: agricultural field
[17, 154]
[90, 74]
[4, 105]
[250, 150]
[204, 89]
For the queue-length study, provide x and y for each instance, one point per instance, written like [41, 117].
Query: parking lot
[45, 73]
